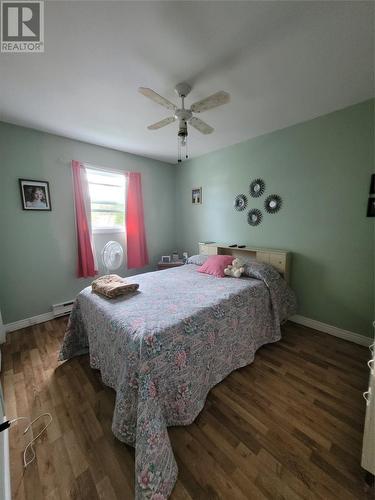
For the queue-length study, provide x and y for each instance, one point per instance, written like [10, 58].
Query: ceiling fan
[185, 116]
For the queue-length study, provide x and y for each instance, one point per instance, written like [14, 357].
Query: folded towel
[113, 286]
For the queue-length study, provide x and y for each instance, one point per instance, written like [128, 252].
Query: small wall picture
[165, 259]
[196, 196]
[35, 195]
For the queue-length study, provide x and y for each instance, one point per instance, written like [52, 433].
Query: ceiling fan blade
[157, 98]
[200, 125]
[162, 123]
[210, 102]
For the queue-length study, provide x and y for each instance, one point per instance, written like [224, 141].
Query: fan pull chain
[178, 149]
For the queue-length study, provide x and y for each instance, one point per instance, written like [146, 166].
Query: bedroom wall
[38, 249]
[322, 169]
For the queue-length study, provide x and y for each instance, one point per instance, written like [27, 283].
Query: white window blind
[107, 194]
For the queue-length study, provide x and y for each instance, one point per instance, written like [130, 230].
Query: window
[107, 193]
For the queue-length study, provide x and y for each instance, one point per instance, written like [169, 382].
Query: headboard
[280, 259]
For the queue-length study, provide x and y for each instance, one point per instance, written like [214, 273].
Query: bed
[163, 348]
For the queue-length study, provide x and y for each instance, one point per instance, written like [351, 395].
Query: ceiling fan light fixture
[182, 141]
[185, 116]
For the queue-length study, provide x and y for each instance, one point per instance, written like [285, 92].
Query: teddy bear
[235, 269]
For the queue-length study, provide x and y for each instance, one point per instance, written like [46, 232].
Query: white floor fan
[112, 256]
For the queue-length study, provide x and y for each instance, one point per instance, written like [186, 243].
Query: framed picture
[196, 196]
[371, 207]
[35, 195]
[165, 258]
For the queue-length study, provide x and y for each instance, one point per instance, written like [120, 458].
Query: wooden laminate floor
[289, 426]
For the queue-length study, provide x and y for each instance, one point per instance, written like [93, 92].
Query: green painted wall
[321, 168]
[38, 250]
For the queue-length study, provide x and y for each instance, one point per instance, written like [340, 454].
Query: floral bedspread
[164, 347]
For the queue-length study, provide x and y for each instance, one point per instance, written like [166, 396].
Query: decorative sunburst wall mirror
[273, 203]
[240, 202]
[254, 217]
[257, 188]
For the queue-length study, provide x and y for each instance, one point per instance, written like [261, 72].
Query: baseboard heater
[62, 309]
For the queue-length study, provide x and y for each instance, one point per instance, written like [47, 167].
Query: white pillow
[198, 260]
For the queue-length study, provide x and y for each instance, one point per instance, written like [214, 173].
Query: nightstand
[168, 265]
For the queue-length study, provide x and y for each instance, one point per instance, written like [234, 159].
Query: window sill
[106, 230]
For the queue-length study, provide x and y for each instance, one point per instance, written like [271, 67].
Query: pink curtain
[86, 260]
[135, 224]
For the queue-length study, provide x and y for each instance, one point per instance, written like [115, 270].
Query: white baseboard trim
[24, 323]
[332, 330]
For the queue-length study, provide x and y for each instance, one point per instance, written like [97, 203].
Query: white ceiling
[282, 62]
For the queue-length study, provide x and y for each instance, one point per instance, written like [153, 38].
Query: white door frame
[2, 330]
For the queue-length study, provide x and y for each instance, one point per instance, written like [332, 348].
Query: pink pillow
[215, 265]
